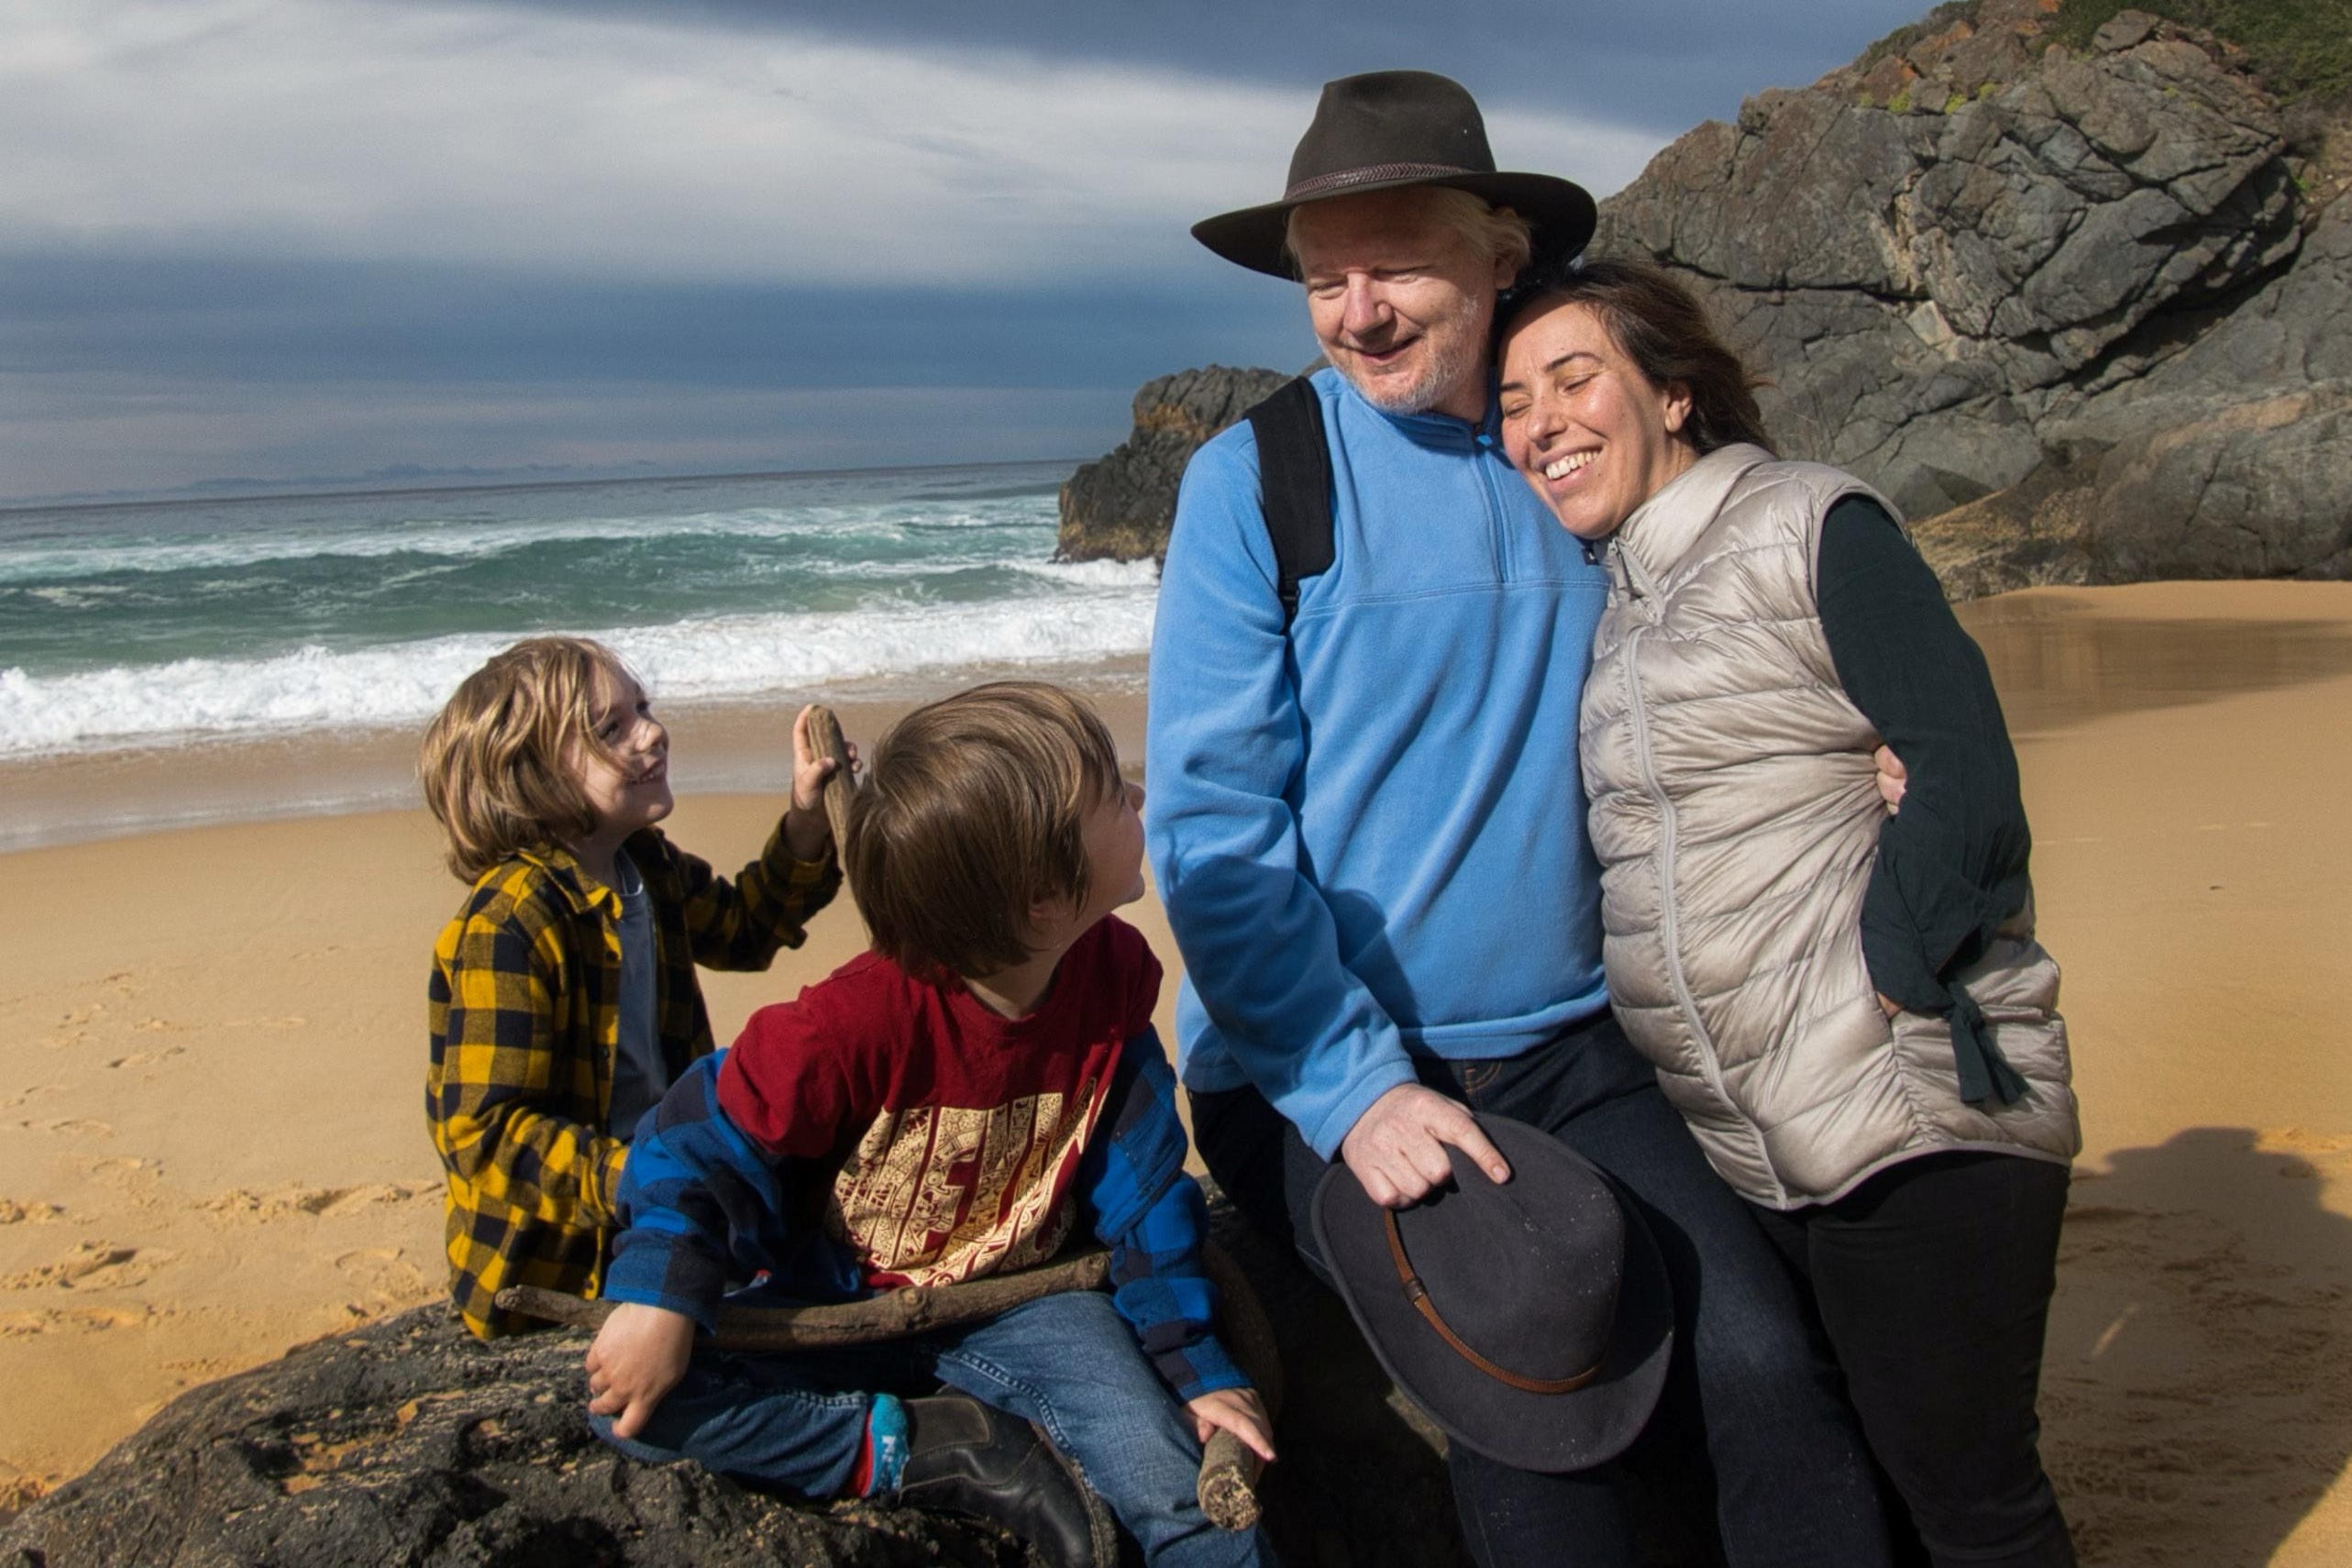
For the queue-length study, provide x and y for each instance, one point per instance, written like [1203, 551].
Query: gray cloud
[1661, 66]
[243, 238]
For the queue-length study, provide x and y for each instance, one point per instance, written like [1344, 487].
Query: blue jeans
[1752, 1403]
[1070, 1363]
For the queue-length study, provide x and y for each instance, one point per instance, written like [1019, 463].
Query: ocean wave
[401, 684]
[61, 563]
[1143, 574]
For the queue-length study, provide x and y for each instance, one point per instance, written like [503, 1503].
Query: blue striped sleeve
[700, 1203]
[1154, 1221]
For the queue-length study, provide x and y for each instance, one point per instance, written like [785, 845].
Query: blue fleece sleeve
[1154, 1221]
[1226, 749]
[698, 1202]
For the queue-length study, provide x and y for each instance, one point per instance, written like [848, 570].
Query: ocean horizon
[148, 624]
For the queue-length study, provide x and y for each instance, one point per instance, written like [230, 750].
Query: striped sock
[882, 1457]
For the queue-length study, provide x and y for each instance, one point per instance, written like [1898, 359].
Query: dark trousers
[1751, 1398]
[1933, 1279]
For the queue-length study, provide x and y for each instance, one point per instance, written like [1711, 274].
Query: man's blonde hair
[494, 760]
[975, 809]
[1497, 233]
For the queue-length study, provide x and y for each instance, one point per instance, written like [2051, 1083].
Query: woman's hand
[1236, 1410]
[639, 1357]
[1892, 778]
[807, 829]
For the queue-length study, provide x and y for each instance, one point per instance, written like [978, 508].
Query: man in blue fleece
[1368, 825]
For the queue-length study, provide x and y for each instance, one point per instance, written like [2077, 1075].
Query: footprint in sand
[15, 1213]
[79, 1127]
[384, 1272]
[73, 1027]
[13, 1101]
[332, 1202]
[91, 1265]
[71, 1321]
[148, 1058]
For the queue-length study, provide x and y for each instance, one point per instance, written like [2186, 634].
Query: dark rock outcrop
[1118, 507]
[407, 1443]
[2073, 310]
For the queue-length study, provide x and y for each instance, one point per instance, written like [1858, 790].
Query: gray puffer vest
[1736, 815]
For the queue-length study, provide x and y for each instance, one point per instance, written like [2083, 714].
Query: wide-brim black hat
[1392, 128]
[1531, 1318]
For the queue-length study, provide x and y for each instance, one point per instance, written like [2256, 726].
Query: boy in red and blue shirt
[953, 1104]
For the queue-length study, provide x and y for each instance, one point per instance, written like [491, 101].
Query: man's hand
[1236, 1410]
[1893, 778]
[639, 1357]
[807, 829]
[1396, 1149]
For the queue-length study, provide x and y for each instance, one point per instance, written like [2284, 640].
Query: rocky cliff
[1118, 507]
[2074, 308]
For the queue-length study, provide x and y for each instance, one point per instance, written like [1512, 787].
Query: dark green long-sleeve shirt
[1952, 862]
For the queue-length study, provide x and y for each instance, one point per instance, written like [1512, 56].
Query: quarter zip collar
[1648, 545]
[1432, 429]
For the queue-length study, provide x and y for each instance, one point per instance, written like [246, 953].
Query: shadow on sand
[2197, 1388]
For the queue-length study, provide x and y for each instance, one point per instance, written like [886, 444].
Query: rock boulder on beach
[1118, 507]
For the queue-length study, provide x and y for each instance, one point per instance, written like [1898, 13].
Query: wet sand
[212, 1144]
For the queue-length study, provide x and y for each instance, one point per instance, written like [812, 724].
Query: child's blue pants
[794, 1422]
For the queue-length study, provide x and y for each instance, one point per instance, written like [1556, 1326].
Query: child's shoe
[965, 1457]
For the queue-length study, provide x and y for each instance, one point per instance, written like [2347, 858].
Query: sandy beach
[212, 1142]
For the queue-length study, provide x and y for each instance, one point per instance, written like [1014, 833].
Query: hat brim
[1560, 210]
[1551, 1433]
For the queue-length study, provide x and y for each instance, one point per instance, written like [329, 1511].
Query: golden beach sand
[211, 1139]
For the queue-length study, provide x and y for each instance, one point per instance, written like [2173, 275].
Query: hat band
[1375, 174]
[1418, 1294]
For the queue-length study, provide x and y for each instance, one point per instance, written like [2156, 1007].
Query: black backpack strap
[1294, 486]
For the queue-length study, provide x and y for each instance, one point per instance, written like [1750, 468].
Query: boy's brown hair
[493, 763]
[974, 808]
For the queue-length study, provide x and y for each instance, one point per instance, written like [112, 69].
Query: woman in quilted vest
[1847, 1006]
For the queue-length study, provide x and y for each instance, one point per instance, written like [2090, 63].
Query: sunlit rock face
[1118, 507]
[2069, 309]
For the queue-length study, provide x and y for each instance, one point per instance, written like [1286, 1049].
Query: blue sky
[295, 241]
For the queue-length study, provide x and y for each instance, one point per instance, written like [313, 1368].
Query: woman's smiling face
[1590, 434]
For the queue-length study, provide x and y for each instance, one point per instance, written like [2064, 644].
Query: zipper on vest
[1669, 932]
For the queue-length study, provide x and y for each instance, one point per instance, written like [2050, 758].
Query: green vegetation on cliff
[2299, 47]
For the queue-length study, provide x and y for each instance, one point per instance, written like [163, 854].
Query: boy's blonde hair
[494, 764]
[974, 808]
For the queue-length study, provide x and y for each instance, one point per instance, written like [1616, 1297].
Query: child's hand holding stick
[816, 736]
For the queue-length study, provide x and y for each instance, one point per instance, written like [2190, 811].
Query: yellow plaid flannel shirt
[524, 1015]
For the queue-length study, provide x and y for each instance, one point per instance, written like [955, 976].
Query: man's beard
[1454, 342]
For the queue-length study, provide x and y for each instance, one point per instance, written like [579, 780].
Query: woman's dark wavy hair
[1663, 329]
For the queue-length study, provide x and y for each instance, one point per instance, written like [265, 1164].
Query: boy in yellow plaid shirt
[563, 997]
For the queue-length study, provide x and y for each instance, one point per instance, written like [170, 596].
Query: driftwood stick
[889, 1316]
[1229, 1467]
[824, 735]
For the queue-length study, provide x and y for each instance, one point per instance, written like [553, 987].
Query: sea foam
[716, 659]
